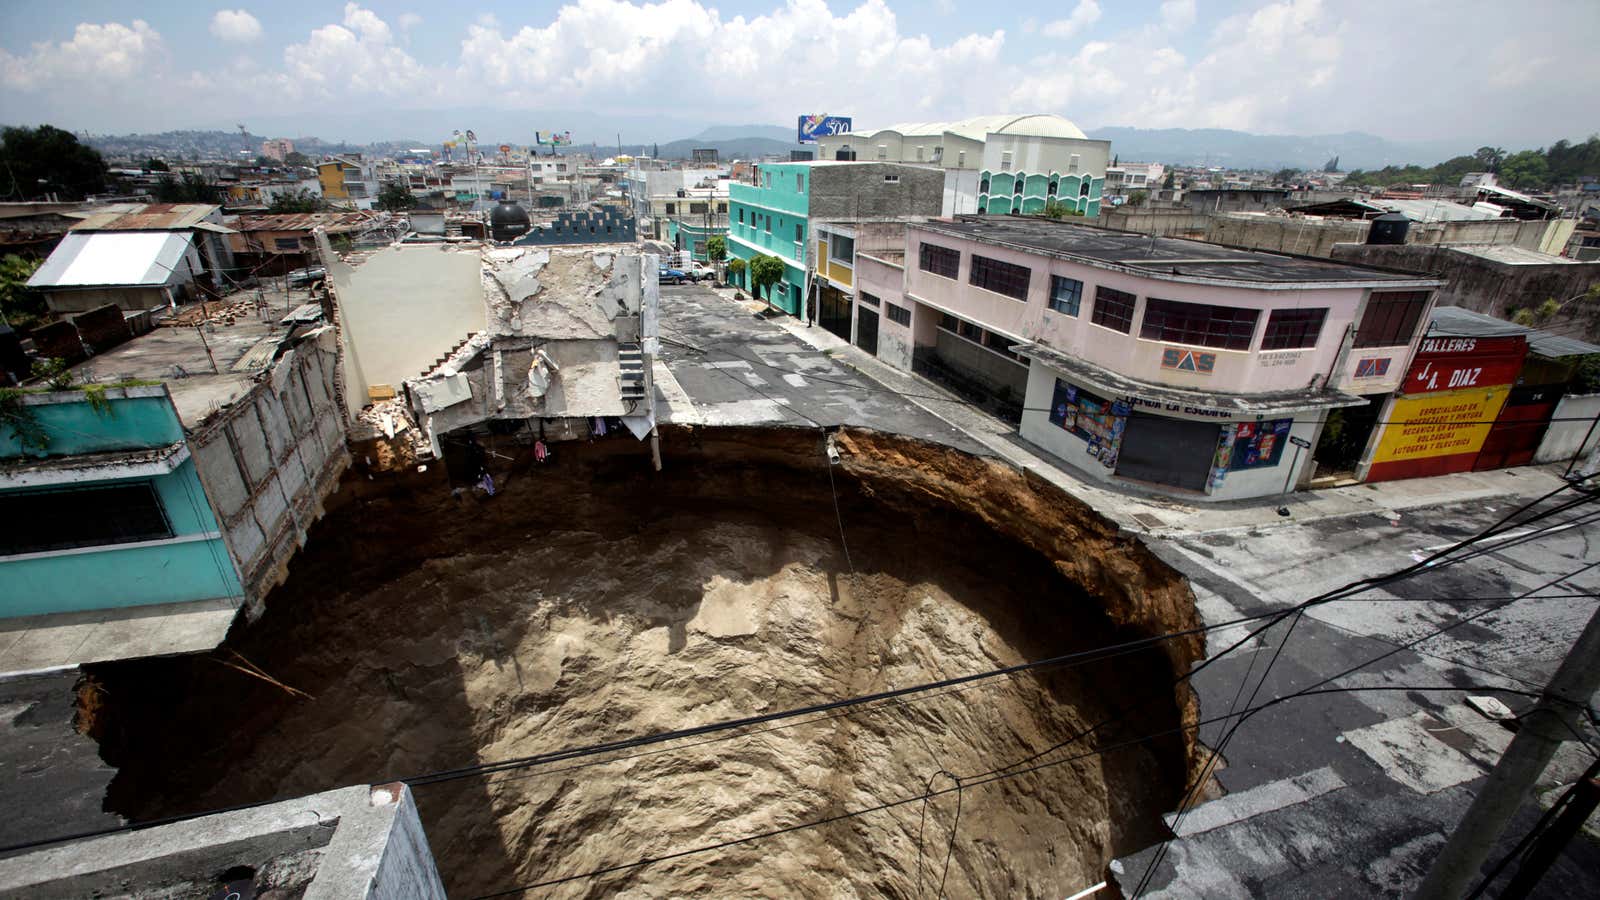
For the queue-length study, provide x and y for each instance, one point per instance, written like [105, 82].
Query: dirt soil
[592, 599]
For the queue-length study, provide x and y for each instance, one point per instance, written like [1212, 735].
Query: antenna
[244, 139]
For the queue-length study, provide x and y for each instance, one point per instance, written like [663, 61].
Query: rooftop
[979, 127]
[334, 222]
[1455, 320]
[1170, 258]
[147, 217]
[1512, 255]
[95, 259]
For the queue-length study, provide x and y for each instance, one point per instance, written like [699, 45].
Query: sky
[1518, 75]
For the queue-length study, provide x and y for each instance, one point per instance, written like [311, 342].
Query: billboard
[552, 138]
[813, 127]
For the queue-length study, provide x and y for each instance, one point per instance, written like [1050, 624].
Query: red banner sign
[1457, 363]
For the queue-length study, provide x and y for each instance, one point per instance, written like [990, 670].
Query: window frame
[929, 255]
[895, 312]
[1294, 324]
[53, 511]
[1076, 295]
[1108, 309]
[1416, 304]
[1198, 324]
[833, 249]
[869, 299]
[997, 276]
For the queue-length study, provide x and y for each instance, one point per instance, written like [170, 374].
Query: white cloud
[109, 51]
[1177, 15]
[1086, 13]
[235, 26]
[357, 57]
[408, 21]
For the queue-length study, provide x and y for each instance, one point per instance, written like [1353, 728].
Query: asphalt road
[729, 366]
[1352, 794]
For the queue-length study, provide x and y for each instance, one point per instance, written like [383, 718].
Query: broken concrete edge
[365, 841]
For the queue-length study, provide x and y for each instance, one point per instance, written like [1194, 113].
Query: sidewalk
[34, 644]
[1165, 516]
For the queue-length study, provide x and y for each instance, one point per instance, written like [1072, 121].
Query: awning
[113, 259]
[1180, 401]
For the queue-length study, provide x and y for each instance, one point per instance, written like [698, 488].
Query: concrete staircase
[630, 358]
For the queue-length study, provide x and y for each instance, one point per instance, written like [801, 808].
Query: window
[983, 186]
[1391, 318]
[919, 154]
[1001, 277]
[1291, 329]
[940, 260]
[766, 179]
[1113, 309]
[1005, 161]
[741, 217]
[870, 300]
[891, 179]
[287, 245]
[938, 153]
[1065, 294]
[883, 151]
[39, 521]
[961, 159]
[999, 343]
[1072, 163]
[799, 183]
[697, 209]
[898, 314]
[766, 223]
[722, 207]
[672, 209]
[842, 249]
[799, 233]
[1225, 327]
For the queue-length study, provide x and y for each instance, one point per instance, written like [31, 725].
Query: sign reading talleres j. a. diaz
[1453, 363]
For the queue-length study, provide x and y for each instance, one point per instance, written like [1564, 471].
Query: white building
[992, 164]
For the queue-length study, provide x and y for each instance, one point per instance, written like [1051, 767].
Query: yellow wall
[839, 272]
[331, 174]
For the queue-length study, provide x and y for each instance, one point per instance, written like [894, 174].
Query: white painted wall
[1563, 439]
[402, 309]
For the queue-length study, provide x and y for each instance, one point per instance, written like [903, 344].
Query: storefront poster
[1226, 440]
[1098, 421]
[1259, 445]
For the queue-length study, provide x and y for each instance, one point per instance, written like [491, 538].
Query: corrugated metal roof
[1456, 320]
[333, 222]
[106, 259]
[150, 217]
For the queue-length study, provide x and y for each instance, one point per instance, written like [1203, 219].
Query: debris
[1491, 707]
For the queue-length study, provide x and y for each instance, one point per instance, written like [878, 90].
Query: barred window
[1001, 277]
[1224, 327]
[940, 261]
[1291, 329]
[1391, 318]
[868, 299]
[1065, 294]
[898, 314]
[43, 520]
[1113, 309]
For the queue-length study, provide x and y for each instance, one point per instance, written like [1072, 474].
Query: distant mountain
[1243, 150]
[735, 132]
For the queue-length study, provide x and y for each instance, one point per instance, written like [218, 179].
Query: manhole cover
[1149, 520]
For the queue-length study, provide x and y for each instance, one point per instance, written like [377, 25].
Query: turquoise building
[1027, 194]
[101, 506]
[691, 236]
[772, 218]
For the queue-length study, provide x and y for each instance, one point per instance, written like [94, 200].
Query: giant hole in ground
[592, 599]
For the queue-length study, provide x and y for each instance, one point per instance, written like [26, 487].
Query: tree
[265, 162]
[1137, 198]
[1170, 181]
[36, 162]
[1055, 209]
[1285, 176]
[396, 197]
[20, 306]
[765, 271]
[303, 200]
[736, 267]
[1490, 158]
[716, 249]
[296, 158]
[1527, 169]
[190, 188]
[1331, 165]
[156, 165]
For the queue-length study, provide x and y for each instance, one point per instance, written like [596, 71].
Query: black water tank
[1389, 228]
[508, 221]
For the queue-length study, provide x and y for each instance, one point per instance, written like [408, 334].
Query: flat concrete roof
[1164, 256]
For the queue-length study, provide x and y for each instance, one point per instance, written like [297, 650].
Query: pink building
[1183, 365]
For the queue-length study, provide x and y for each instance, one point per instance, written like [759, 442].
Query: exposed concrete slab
[34, 643]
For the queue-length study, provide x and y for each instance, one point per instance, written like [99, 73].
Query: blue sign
[813, 127]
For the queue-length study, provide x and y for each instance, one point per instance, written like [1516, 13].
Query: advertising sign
[813, 127]
[552, 138]
[1455, 363]
[1436, 433]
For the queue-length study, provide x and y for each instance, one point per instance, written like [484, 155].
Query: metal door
[1167, 451]
[867, 330]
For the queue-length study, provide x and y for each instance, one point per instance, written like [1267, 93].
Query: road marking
[795, 380]
[1407, 753]
[679, 405]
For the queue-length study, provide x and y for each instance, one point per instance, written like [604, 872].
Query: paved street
[725, 365]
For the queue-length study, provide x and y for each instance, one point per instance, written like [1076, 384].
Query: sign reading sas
[813, 127]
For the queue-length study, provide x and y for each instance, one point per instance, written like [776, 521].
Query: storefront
[1445, 410]
[1213, 446]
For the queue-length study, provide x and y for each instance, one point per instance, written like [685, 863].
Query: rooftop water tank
[1389, 228]
[508, 221]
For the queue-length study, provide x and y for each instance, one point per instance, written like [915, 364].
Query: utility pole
[1555, 718]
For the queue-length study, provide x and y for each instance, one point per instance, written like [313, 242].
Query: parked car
[699, 271]
[672, 276]
[307, 275]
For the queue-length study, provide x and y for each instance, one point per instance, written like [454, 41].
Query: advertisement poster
[1259, 445]
[813, 127]
[1226, 441]
[1095, 419]
[1435, 433]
